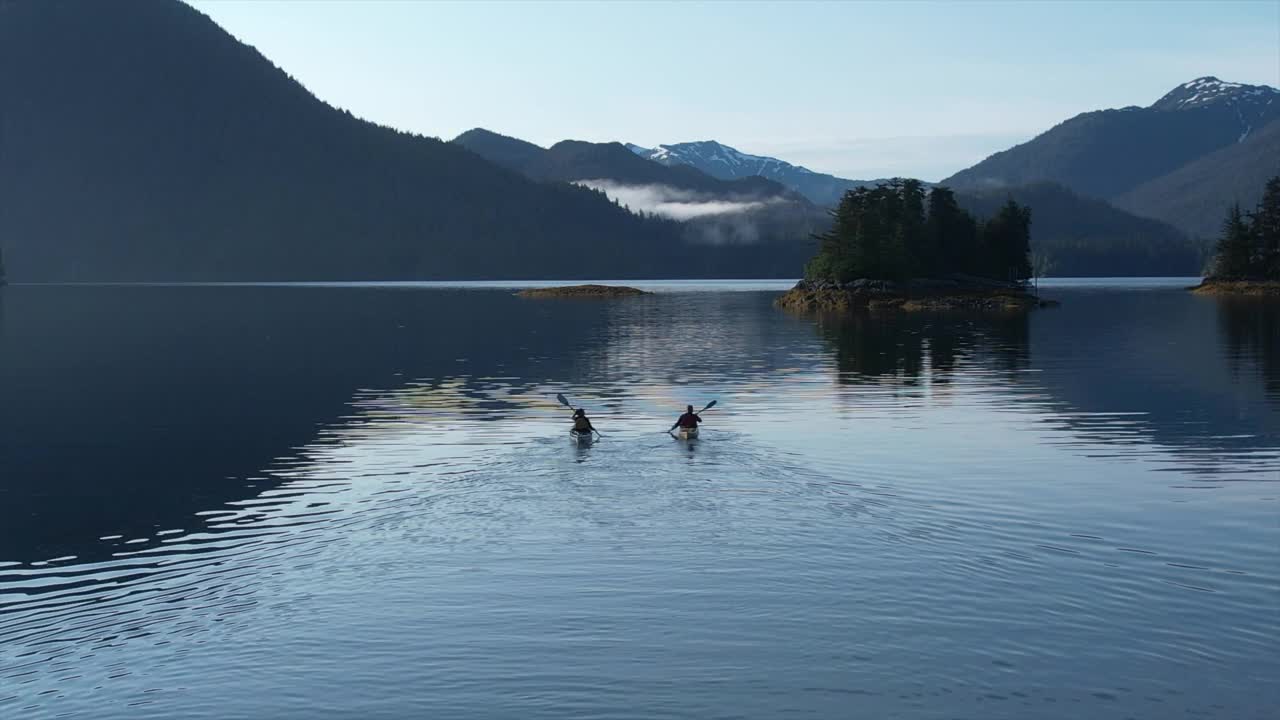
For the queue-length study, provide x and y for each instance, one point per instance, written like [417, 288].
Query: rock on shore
[1246, 288]
[950, 293]
[582, 291]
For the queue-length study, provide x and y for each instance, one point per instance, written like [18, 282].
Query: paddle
[565, 402]
[708, 407]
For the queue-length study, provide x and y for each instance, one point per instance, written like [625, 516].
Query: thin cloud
[673, 203]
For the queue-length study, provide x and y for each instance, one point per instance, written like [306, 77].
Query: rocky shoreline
[582, 291]
[1238, 288]
[951, 293]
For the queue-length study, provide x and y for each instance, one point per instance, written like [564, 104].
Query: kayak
[581, 437]
[687, 433]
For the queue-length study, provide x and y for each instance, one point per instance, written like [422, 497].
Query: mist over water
[362, 501]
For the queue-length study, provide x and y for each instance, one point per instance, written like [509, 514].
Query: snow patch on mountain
[1250, 103]
[1210, 90]
[720, 160]
[727, 163]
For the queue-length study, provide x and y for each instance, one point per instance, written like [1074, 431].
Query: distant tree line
[1249, 247]
[894, 231]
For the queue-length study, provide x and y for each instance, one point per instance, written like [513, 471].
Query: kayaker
[689, 420]
[581, 423]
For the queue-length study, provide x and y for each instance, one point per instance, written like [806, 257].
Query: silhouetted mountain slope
[1083, 237]
[1109, 152]
[721, 161]
[1196, 196]
[509, 152]
[142, 142]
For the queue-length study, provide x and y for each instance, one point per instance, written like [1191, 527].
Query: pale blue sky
[856, 89]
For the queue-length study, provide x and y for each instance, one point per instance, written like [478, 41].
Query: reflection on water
[128, 409]
[361, 501]
[1138, 371]
[907, 346]
[1250, 329]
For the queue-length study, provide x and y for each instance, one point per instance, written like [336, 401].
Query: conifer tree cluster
[1249, 247]
[895, 231]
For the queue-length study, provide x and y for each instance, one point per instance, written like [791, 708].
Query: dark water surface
[362, 502]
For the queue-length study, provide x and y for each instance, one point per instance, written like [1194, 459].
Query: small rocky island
[895, 247]
[582, 291]
[959, 293]
[1247, 261]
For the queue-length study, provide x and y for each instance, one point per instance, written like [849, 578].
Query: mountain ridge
[1209, 90]
[740, 212]
[1106, 153]
[722, 161]
[576, 160]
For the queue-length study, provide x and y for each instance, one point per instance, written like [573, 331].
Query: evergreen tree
[891, 231]
[1266, 230]
[869, 241]
[888, 233]
[912, 228]
[834, 260]
[952, 235]
[934, 251]
[1006, 243]
[1235, 247]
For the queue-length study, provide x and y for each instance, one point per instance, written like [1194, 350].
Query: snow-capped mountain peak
[1252, 105]
[727, 163]
[1210, 90]
[719, 160]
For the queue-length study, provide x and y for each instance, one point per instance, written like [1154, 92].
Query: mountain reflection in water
[129, 408]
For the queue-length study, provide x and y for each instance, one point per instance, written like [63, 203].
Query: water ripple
[915, 515]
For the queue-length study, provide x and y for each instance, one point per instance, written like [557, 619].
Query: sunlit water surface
[362, 502]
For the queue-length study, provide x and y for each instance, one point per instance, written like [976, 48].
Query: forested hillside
[142, 142]
[1106, 153]
[1076, 236]
[1194, 197]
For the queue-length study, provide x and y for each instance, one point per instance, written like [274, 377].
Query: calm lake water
[362, 502]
